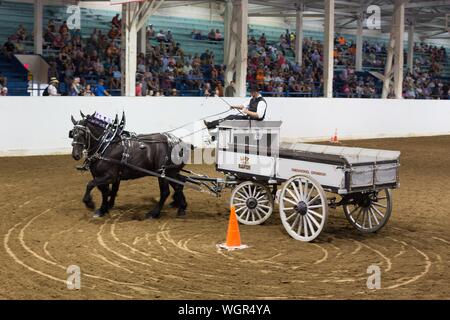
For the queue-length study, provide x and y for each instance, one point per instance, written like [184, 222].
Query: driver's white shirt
[261, 108]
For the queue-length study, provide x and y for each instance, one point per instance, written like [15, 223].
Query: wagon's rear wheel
[303, 208]
[369, 212]
[253, 202]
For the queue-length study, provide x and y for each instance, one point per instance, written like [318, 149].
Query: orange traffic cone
[233, 235]
[334, 138]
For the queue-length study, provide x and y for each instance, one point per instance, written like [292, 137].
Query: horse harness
[126, 139]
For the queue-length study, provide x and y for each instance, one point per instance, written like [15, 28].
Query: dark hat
[254, 88]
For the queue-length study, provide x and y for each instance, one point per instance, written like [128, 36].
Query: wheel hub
[365, 202]
[251, 203]
[301, 208]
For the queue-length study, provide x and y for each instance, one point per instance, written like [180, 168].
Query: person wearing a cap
[52, 87]
[256, 110]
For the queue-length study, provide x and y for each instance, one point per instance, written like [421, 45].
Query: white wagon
[250, 155]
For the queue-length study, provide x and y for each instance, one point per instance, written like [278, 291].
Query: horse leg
[104, 188]
[175, 199]
[164, 192]
[113, 194]
[87, 198]
[179, 198]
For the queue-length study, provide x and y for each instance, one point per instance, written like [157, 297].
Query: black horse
[112, 154]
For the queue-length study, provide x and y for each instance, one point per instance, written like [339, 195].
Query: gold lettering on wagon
[312, 173]
[245, 163]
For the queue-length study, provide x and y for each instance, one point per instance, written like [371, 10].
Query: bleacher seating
[17, 76]
[12, 14]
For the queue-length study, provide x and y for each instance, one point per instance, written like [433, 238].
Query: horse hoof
[181, 213]
[89, 204]
[153, 215]
[99, 214]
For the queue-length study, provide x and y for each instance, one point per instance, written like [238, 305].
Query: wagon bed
[250, 152]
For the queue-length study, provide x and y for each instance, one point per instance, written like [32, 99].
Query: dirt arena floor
[44, 228]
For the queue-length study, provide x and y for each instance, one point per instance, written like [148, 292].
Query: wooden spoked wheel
[253, 202]
[369, 212]
[303, 208]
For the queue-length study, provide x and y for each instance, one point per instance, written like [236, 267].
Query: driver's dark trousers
[215, 123]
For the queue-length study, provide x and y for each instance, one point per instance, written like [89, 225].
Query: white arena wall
[39, 126]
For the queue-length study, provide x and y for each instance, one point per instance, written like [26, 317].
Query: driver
[256, 110]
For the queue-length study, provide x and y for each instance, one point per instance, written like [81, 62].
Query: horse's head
[80, 137]
[89, 131]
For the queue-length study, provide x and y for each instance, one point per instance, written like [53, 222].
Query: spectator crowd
[91, 66]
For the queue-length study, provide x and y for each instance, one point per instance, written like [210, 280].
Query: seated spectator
[58, 42]
[169, 36]
[9, 48]
[150, 32]
[52, 88]
[100, 90]
[262, 40]
[196, 35]
[3, 80]
[87, 91]
[138, 89]
[160, 36]
[212, 35]
[218, 35]
[75, 88]
[21, 32]
[113, 33]
[64, 29]
[51, 26]
[293, 36]
[116, 22]
[4, 91]
[116, 78]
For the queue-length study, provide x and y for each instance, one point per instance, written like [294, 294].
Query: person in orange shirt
[352, 50]
[260, 77]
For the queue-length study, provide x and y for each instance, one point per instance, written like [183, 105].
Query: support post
[38, 26]
[389, 62]
[142, 40]
[411, 31]
[399, 58]
[241, 11]
[134, 18]
[129, 43]
[328, 49]
[229, 44]
[359, 44]
[299, 36]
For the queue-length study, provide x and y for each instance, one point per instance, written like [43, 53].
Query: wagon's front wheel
[253, 202]
[369, 212]
[303, 208]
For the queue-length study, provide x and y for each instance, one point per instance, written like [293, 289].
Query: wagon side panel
[330, 176]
